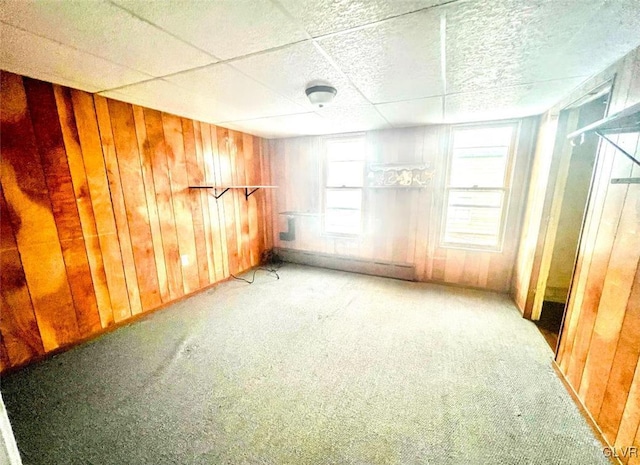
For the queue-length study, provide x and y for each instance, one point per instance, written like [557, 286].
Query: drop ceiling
[244, 64]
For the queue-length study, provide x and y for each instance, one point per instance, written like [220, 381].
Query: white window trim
[324, 187]
[506, 187]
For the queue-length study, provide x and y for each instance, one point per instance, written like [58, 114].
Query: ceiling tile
[41, 58]
[164, 96]
[288, 70]
[412, 112]
[354, 118]
[236, 96]
[511, 102]
[107, 31]
[325, 16]
[497, 43]
[226, 29]
[284, 126]
[394, 60]
[609, 34]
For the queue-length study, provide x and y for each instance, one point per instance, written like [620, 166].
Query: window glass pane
[344, 198]
[482, 167]
[346, 149]
[482, 137]
[492, 199]
[342, 221]
[479, 159]
[474, 217]
[345, 174]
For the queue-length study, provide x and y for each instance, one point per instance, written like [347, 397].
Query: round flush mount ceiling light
[321, 95]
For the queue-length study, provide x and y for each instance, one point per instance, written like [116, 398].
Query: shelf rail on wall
[624, 122]
[219, 191]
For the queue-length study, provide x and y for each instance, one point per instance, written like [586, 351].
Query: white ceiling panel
[413, 112]
[502, 103]
[226, 29]
[288, 70]
[41, 58]
[320, 17]
[394, 60]
[284, 126]
[237, 96]
[495, 43]
[246, 63]
[105, 30]
[607, 36]
[354, 118]
[174, 99]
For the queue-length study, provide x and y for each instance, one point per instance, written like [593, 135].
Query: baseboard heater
[336, 262]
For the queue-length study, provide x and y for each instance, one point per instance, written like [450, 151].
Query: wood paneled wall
[401, 225]
[98, 222]
[599, 351]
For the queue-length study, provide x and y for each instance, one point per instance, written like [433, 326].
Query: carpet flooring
[319, 367]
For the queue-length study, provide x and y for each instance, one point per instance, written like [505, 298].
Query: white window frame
[325, 187]
[506, 187]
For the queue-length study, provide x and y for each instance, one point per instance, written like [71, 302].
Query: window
[344, 179]
[477, 189]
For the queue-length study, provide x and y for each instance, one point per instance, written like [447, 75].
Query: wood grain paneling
[31, 216]
[97, 213]
[46, 125]
[401, 225]
[599, 349]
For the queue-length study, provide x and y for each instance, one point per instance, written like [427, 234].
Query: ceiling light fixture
[321, 95]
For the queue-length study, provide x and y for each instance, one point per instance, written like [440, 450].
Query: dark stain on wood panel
[31, 217]
[17, 319]
[48, 136]
[98, 185]
[64, 107]
[97, 197]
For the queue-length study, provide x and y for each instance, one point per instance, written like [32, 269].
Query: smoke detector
[321, 95]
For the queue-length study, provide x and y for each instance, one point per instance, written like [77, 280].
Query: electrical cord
[271, 262]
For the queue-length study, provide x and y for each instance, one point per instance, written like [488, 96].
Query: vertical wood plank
[237, 153]
[100, 197]
[191, 163]
[200, 177]
[252, 178]
[4, 355]
[31, 217]
[618, 283]
[48, 136]
[20, 332]
[117, 199]
[216, 211]
[179, 194]
[146, 156]
[625, 359]
[135, 202]
[77, 171]
[630, 421]
[164, 202]
[228, 201]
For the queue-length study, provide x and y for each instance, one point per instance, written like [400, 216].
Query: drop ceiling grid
[107, 31]
[243, 62]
